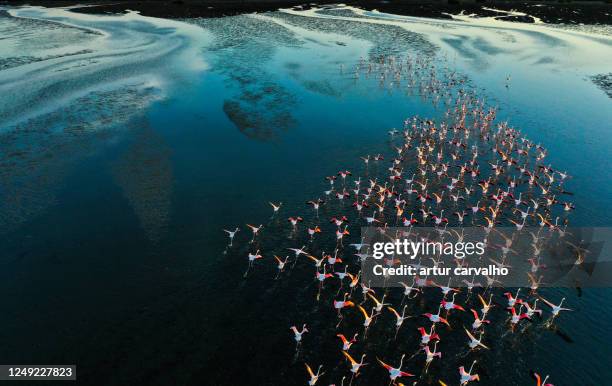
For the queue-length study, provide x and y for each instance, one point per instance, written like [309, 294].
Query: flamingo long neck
[471, 367]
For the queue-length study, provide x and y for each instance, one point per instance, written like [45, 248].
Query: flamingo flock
[464, 169]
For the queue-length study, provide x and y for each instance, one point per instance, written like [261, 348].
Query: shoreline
[577, 12]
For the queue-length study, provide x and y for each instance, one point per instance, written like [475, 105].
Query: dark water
[112, 244]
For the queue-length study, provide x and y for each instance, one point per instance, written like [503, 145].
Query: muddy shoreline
[577, 12]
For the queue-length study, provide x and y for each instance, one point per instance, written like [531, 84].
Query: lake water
[128, 143]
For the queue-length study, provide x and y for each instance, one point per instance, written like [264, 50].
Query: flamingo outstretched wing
[383, 364]
[349, 357]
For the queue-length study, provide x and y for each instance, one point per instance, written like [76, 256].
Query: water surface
[127, 143]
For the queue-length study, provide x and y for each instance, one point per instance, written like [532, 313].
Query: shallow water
[127, 143]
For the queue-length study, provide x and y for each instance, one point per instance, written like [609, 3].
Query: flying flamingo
[281, 265]
[313, 231]
[450, 305]
[275, 207]
[297, 335]
[298, 252]
[355, 366]
[436, 318]
[252, 258]
[294, 221]
[368, 318]
[430, 355]
[399, 318]
[486, 306]
[313, 377]
[317, 262]
[475, 343]
[478, 321]
[379, 304]
[408, 289]
[231, 235]
[255, 231]
[512, 300]
[321, 276]
[316, 204]
[466, 377]
[395, 372]
[338, 221]
[515, 317]
[540, 381]
[427, 337]
[341, 276]
[339, 305]
[532, 309]
[340, 235]
[346, 344]
[354, 280]
[555, 308]
[359, 246]
[331, 260]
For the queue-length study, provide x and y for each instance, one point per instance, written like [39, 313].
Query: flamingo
[371, 220]
[313, 231]
[340, 304]
[313, 377]
[354, 280]
[395, 372]
[340, 235]
[317, 262]
[430, 355]
[346, 344]
[338, 221]
[342, 274]
[426, 337]
[275, 207]
[355, 366]
[331, 260]
[475, 343]
[255, 230]
[359, 246]
[281, 265]
[556, 309]
[343, 174]
[252, 258]
[231, 235]
[436, 318]
[316, 204]
[298, 252]
[478, 321]
[515, 317]
[297, 335]
[532, 309]
[368, 318]
[408, 289]
[399, 319]
[512, 300]
[379, 304]
[451, 305]
[540, 381]
[321, 276]
[294, 221]
[466, 376]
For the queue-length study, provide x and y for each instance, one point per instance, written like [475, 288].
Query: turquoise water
[115, 196]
